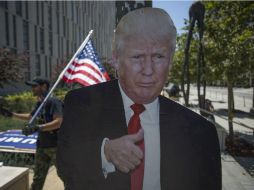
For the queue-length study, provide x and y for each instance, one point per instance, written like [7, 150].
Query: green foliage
[21, 103]
[229, 29]
[24, 102]
[61, 93]
[176, 70]
[228, 43]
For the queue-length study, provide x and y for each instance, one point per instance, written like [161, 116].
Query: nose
[147, 68]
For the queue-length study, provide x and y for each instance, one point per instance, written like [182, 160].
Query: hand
[5, 112]
[28, 130]
[123, 152]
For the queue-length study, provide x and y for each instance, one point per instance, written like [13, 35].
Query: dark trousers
[44, 158]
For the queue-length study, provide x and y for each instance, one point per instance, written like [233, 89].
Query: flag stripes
[86, 69]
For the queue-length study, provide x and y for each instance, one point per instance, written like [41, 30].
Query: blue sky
[178, 10]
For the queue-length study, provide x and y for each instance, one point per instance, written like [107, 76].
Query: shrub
[25, 102]
[21, 103]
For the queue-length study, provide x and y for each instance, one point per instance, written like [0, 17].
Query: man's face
[143, 68]
[37, 90]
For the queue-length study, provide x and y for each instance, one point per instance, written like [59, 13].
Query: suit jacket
[190, 155]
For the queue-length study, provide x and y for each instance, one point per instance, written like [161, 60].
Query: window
[46, 66]
[57, 22]
[50, 43]
[58, 47]
[14, 31]
[64, 26]
[72, 10]
[57, 5]
[50, 17]
[37, 65]
[67, 29]
[3, 4]
[62, 48]
[50, 67]
[77, 15]
[35, 39]
[42, 40]
[19, 8]
[7, 29]
[42, 13]
[37, 12]
[26, 6]
[26, 35]
[67, 47]
[63, 6]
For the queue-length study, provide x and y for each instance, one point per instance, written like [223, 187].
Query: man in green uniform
[50, 118]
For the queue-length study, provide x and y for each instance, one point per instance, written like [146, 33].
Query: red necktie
[133, 127]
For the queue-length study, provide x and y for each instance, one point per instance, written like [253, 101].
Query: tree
[12, 66]
[228, 26]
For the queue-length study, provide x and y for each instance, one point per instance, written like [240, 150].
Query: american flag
[86, 68]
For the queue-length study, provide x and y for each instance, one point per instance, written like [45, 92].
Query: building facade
[51, 31]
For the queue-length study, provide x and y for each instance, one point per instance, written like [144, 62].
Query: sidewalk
[53, 182]
[219, 102]
[234, 175]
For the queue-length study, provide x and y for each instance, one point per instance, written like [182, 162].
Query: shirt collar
[151, 108]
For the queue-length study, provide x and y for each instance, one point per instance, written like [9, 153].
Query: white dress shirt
[150, 123]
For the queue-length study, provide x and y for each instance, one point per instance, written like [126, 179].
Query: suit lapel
[164, 142]
[113, 111]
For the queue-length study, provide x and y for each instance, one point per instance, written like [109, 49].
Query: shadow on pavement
[213, 101]
[247, 163]
[237, 113]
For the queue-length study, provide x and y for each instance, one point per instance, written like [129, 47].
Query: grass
[10, 123]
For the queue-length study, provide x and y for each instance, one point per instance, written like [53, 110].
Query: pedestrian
[122, 135]
[49, 120]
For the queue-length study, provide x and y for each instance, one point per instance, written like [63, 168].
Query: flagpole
[60, 77]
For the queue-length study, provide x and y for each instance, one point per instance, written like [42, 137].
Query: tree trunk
[185, 70]
[230, 110]
[253, 93]
[201, 69]
[204, 71]
[199, 73]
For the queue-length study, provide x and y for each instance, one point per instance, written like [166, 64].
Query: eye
[159, 56]
[135, 56]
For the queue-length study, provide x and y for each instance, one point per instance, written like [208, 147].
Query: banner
[14, 139]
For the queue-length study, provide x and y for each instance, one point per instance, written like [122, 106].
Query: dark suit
[190, 155]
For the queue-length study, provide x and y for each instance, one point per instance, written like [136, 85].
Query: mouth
[146, 84]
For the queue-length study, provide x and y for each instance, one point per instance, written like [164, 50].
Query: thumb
[137, 136]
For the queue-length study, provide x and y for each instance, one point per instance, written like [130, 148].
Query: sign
[14, 139]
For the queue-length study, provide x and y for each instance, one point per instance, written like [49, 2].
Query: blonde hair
[147, 23]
